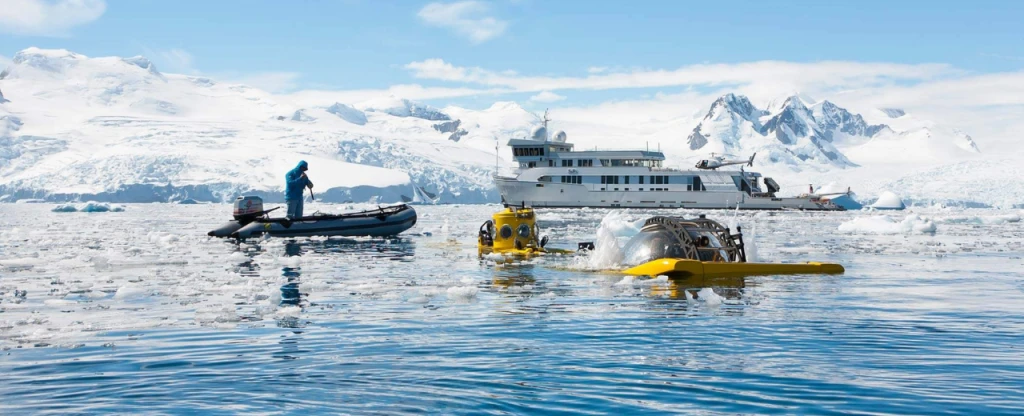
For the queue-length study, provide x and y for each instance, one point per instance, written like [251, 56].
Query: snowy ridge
[117, 129]
[788, 136]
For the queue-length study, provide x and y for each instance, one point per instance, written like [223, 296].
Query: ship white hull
[562, 195]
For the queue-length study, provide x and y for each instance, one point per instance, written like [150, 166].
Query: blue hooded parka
[295, 183]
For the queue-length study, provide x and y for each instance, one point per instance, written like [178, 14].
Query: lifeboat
[701, 248]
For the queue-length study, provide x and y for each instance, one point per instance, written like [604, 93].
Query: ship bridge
[536, 153]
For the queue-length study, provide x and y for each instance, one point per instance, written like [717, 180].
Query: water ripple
[166, 320]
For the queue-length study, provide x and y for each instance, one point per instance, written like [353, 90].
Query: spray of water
[607, 252]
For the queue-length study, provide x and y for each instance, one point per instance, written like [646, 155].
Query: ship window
[641, 178]
[566, 162]
[505, 231]
[551, 163]
[585, 163]
[626, 180]
[697, 186]
[531, 164]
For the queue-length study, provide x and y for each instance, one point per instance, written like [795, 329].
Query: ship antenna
[547, 135]
[497, 159]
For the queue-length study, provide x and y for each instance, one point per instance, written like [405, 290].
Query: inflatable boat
[252, 221]
[701, 248]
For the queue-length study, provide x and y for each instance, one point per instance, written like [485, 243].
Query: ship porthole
[506, 231]
[523, 230]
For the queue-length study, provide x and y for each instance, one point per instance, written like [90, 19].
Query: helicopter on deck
[824, 195]
[719, 161]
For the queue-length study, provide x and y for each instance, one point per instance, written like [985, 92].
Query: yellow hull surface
[708, 269]
[530, 251]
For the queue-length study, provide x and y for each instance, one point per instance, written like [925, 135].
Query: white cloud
[775, 75]
[1000, 56]
[175, 60]
[597, 69]
[47, 17]
[4, 62]
[467, 18]
[274, 82]
[408, 91]
[180, 61]
[547, 97]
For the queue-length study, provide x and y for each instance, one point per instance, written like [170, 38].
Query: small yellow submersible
[513, 231]
[699, 247]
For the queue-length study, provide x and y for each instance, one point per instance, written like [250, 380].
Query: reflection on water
[290, 295]
[677, 287]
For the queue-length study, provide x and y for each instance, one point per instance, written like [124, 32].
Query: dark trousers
[294, 208]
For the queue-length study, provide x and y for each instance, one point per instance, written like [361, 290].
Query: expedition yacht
[551, 174]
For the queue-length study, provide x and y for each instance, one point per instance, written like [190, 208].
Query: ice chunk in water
[462, 293]
[709, 297]
[130, 292]
[881, 224]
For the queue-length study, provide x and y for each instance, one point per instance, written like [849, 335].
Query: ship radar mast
[547, 136]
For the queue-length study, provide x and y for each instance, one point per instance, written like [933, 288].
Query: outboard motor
[248, 208]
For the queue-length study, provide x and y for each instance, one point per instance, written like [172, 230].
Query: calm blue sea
[139, 312]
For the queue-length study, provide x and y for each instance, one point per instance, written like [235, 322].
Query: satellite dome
[559, 137]
[539, 133]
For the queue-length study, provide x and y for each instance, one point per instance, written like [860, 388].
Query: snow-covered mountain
[800, 140]
[819, 134]
[118, 129]
[789, 136]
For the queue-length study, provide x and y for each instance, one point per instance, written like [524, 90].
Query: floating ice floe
[888, 201]
[982, 220]
[88, 207]
[462, 293]
[881, 224]
[709, 297]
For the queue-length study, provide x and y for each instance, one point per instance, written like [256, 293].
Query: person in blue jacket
[295, 186]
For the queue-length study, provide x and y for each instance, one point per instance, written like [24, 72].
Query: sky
[635, 60]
